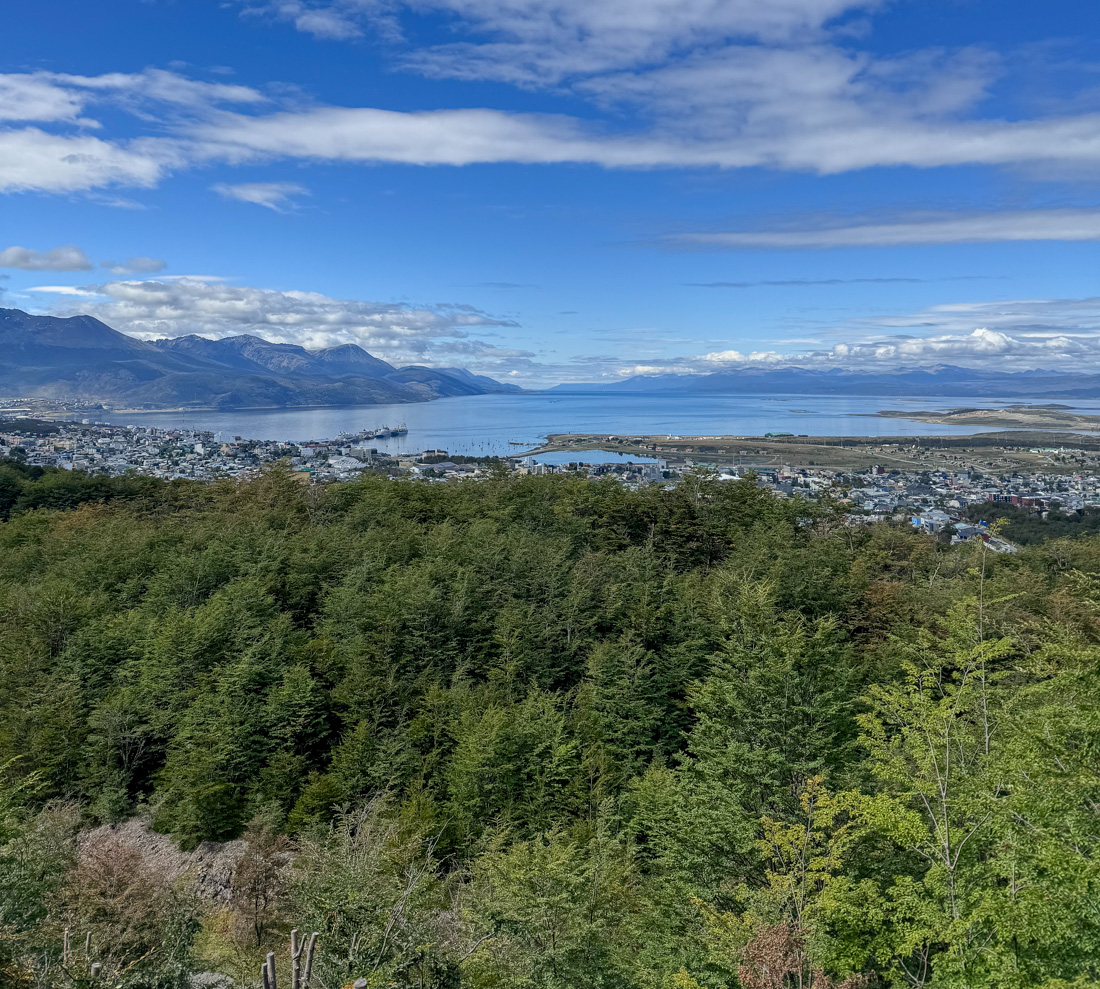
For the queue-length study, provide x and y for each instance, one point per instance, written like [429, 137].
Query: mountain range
[943, 380]
[81, 358]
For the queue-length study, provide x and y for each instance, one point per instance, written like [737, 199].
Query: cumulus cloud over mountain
[153, 308]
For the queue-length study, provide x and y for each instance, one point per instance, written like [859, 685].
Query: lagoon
[502, 425]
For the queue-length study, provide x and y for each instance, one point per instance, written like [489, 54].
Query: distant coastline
[1052, 417]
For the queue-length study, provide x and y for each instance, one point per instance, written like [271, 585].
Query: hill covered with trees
[540, 732]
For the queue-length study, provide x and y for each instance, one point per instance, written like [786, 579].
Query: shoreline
[1037, 417]
[994, 451]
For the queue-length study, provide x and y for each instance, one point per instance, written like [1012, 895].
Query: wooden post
[65, 948]
[310, 948]
[95, 970]
[263, 976]
[295, 961]
[88, 945]
[271, 970]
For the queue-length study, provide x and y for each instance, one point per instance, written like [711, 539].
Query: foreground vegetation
[541, 732]
[1029, 526]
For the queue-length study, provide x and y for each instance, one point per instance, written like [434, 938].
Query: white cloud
[1015, 225]
[329, 23]
[713, 84]
[34, 160]
[1012, 334]
[437, 137]
[54, 97]
[68, 258]
[65, 290]
[716, 83]
[153, 85]
[1064, 351]
[760, 90]
[331, 20]
[981, 342]
[1033, 321]
[134, 266]
[115, 201]
[630, 370]
[735, 356]
[805, 107]
[546, 41]
[1047, 333]
[1062, 334]
[39, 160]
[168, 308]
[37, 97]
[483, 136]
[274, 195]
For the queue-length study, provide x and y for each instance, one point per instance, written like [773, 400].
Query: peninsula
[1045, 417]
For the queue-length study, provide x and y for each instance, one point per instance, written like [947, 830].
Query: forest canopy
[540, 732]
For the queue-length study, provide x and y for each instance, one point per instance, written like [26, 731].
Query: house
[934, 520]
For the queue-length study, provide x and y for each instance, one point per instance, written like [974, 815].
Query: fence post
[310, 947]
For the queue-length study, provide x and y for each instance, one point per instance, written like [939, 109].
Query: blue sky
[563, 190]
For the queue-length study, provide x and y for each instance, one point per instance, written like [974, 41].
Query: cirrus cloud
[813, 108]
[277, 196]
[1005, 226]
[542, 42]
[134, 266]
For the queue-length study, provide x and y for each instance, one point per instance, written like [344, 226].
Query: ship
[399, 430]
[373, 434]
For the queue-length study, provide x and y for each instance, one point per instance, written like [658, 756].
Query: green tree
[558, 911]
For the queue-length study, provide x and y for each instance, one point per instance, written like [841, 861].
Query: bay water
[508, 425]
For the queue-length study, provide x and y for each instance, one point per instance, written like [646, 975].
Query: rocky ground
[209, 865]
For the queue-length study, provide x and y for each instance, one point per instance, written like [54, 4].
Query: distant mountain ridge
[253, 353]
[81, 358]
[942, 380]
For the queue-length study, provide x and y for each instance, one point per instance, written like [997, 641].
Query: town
[937, 500]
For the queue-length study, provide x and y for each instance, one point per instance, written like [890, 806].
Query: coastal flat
[993, 452]
[1010, 417]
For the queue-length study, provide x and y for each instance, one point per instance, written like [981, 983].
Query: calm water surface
[484, 425]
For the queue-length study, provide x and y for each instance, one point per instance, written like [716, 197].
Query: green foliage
[370, 885]
[1030, 526]
[563, 910]
[543, 732]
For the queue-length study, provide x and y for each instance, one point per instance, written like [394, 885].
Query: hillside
[538, 733]
[81, 358]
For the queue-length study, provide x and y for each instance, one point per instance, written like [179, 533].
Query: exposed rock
[209, 866]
